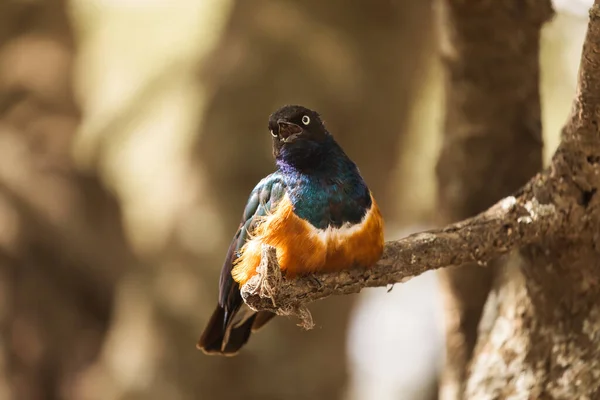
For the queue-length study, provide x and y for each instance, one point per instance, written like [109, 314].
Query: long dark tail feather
[232, 322]
[212, 338]
[238, 337]
[220, 338]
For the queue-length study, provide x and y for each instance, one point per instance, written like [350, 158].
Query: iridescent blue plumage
[261, 200]
[325, 188]
[317, 182]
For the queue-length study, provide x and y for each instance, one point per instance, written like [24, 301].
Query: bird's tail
[223, 336]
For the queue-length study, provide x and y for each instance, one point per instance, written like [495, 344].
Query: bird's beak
[288, 131]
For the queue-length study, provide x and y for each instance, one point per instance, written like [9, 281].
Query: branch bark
[511, 223]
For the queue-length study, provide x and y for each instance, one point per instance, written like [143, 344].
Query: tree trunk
[492, 144]
[554, 350]
[539, 336]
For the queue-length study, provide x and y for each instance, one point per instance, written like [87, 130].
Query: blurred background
[131, 132]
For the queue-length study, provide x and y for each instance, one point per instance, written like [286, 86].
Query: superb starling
[316, 210]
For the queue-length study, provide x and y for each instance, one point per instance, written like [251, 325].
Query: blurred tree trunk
[61, 242]
[492, 146]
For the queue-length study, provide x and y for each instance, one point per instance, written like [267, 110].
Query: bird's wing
[232, 321]
[262, 200]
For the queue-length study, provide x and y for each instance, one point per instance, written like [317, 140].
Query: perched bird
[316, 210]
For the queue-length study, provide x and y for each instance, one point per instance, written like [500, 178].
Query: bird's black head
[299, 135]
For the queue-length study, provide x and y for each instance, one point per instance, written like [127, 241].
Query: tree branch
[511, 223]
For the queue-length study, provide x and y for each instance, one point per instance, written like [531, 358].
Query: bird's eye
[272, 134]
[305, 119]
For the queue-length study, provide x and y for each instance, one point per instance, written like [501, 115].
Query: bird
[317, 212]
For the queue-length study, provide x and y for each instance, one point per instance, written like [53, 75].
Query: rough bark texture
[492, 144]
[553, 351]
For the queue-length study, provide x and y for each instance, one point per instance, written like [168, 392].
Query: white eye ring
[272, 134]
[305, 119]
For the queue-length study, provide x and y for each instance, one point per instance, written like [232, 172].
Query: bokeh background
[131, 132]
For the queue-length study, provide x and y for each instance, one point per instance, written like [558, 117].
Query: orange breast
[302, 248]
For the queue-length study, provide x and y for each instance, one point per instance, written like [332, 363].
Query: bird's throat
[306, 157]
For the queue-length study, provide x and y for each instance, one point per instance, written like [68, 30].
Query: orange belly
[302, 248]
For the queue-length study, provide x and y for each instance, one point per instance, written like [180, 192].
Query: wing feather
[229, 328]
